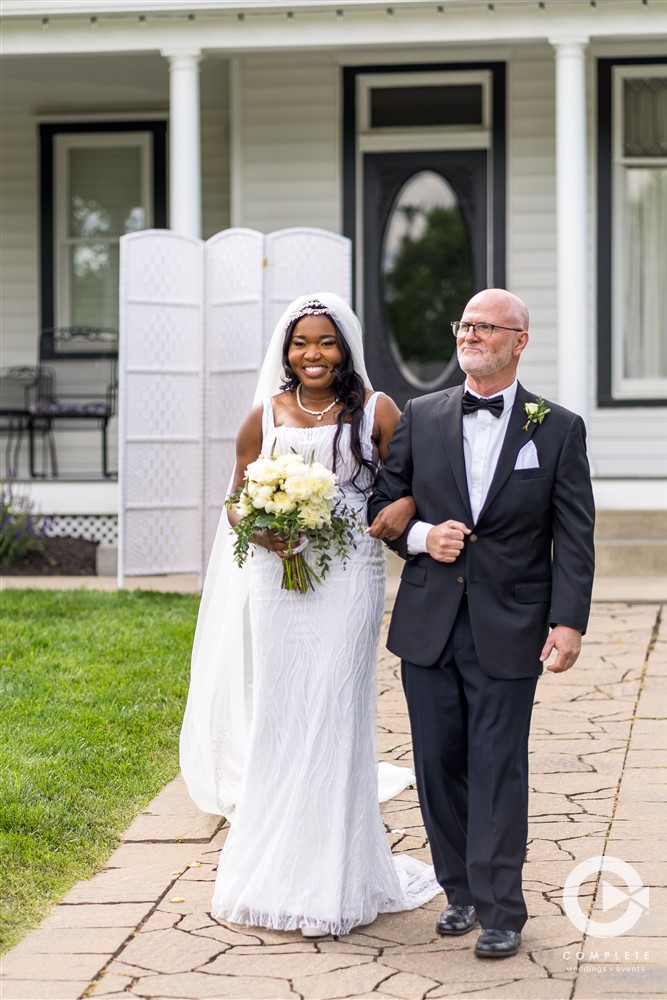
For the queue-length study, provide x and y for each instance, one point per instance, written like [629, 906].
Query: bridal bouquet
[295, 498]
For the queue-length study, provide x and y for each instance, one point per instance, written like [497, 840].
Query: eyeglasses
[483, 330]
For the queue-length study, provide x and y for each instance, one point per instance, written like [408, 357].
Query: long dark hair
[348, 386]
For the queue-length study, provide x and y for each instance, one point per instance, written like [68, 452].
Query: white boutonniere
[536, 412]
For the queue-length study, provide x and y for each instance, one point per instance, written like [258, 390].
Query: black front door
[425, 253]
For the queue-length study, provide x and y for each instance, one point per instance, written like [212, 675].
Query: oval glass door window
[427, 273]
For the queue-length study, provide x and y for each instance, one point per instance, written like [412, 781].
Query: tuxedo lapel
[450, 418]
[515, 438]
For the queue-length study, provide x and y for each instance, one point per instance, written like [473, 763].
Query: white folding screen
[161, 369]
[300, 261]
[195, 321]
[233, 353]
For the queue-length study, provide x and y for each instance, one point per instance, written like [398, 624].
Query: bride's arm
[248, 448]
[393, 519]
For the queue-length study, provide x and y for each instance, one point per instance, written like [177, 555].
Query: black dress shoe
[497, 944]
[456, 920]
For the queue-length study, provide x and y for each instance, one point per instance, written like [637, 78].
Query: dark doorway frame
[498, 152]
[47, 135]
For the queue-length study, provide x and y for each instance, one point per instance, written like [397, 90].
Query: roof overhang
[97, 26]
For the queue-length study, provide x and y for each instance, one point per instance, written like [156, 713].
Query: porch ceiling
[72, 83]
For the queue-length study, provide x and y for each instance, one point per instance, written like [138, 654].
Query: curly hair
[348, 386]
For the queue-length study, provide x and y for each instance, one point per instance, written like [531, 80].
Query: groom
[497, 578]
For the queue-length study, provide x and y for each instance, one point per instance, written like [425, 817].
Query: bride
[307, 848]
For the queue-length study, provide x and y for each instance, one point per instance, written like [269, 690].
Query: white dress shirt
[483, 436]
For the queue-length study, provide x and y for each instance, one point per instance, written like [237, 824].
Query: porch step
[631, 543]
[106, 559]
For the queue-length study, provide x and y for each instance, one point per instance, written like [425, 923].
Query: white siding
[531, 208]
[215, 146]
[19, 290]
[291, 142]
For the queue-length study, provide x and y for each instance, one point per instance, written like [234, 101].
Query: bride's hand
[393, 519]
[274, 542]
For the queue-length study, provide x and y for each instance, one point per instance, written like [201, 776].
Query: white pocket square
[527, 457]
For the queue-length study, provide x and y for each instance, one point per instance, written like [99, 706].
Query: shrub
[20, 531]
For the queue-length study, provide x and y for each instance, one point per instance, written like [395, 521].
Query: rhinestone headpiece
[313, 307]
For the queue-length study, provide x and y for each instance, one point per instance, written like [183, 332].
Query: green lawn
[92, 692]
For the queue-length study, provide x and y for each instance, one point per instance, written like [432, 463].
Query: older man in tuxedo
[497, 581]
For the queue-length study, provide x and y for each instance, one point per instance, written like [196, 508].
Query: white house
[458, 144]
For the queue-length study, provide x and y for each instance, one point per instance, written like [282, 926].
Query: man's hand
[567, 643]
[393, 519]
[444, 542]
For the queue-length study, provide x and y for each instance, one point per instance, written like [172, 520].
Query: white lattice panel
[173, 468]
[165, 342]
[161, 404]
[166, 406]
[160, 541]
[303, 260]
[233, 354]
[160, 266]
[93, 527]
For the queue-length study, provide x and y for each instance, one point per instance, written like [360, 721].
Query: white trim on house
[72, 497]
[269, 27]
[370, 81]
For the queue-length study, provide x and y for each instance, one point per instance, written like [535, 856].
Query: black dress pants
[470, 739]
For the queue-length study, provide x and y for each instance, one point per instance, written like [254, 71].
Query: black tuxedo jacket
[529, 561]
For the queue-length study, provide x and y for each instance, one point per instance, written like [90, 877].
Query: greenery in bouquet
[296, 498]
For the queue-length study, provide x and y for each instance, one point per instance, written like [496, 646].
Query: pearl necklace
[313, 413]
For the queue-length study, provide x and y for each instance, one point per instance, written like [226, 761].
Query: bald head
[501, 302]
[490, 360]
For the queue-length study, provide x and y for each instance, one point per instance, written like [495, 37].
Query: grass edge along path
[92, 693]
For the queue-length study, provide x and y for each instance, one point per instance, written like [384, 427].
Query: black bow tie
[472, 403]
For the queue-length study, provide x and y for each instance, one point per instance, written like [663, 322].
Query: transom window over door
[99, 181]
[632, 233]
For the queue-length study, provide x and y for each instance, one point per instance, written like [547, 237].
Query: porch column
[574, 333]
[184, 142]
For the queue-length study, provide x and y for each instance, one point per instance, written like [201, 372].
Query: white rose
[280, 504]
[260, 495]
[265, 471]
[299, 486]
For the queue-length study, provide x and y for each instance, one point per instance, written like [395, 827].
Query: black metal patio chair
[77, 385]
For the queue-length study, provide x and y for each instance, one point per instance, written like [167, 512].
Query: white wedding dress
[307, 843]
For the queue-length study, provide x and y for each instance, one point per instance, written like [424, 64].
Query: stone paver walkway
[141, 928]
